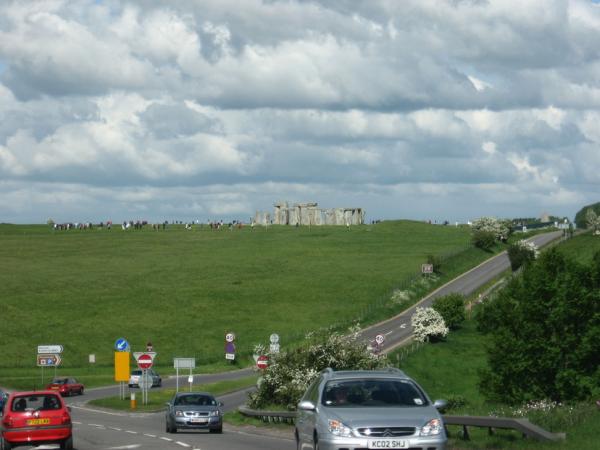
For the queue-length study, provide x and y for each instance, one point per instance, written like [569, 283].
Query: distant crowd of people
[141, 224]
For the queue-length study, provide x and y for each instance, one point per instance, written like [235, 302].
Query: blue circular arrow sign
[121, 345]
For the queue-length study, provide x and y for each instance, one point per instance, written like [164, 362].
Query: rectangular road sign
[48, 360]
[122, 370]
[426, 268]
[184, 363]
[49, 349]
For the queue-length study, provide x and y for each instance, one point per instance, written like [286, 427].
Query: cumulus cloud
[450, 109]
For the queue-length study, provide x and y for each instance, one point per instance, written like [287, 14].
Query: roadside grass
[157, 399]
[184, 290]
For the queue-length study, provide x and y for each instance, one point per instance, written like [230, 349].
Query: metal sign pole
[177, 379]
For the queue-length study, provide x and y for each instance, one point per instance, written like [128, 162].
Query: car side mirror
[440, 405]
[307, 405]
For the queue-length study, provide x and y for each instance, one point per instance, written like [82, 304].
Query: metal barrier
[524, 426]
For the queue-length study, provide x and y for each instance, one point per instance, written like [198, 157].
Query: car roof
[391, 373]
[181, 394]
[33, 393]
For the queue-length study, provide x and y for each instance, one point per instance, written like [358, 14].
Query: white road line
[166, 439]
[96, 425]
[116, 429]
[77, 423]
[131, 432]
[150, 435]
[183, 444]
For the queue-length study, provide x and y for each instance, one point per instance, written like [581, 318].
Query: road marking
[130, 432]
[183, 444]
[124, 447]
[150, 435]
[116, 429]
[96, 425]
[77, 423]
[166, 439]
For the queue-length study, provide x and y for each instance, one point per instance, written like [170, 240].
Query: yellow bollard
[133, 402]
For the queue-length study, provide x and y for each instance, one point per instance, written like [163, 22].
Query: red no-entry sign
[145, 361]
[262, 362]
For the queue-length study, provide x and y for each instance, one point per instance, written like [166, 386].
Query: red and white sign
[145, 361]
[262, 362]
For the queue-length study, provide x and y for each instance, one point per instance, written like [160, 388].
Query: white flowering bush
[291, 372]
[592, 220]
[522, 252]
[554, 416]
[498, 228]
[428, 324]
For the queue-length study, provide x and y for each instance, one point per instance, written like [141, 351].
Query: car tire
[316, 442]
[67, 444]
[5, 445]
[81, 391]
[297, 439]
[217, 430]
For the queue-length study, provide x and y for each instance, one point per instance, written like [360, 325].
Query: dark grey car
[368, 410]
[194, 410]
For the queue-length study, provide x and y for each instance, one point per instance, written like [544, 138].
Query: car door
[305, 421]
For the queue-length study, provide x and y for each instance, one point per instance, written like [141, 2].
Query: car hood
[199, 408]
[384, 417]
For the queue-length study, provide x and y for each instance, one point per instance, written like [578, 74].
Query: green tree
[484, 240]
[544, 332]
[581, 216]
[452, 308]
[521, 253]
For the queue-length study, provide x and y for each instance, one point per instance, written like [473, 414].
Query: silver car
[383, 409]
[194, 410]
[134, 379]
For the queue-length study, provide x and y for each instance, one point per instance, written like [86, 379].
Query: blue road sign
[121, 345]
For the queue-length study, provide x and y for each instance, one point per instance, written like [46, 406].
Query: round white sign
[379, 339]
[230, 337]
[274, 338]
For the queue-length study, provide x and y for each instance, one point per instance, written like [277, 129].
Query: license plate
[45, 421]
[198, 420]
[386, 443]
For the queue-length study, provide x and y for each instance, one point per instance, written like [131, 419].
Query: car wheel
[81, 391]
[5, 445]
[67, 444]
[298, 445]
[316, 442]
[216, 430]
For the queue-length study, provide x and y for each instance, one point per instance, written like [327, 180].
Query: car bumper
[39, 436]
[409, 443]
[212, 423]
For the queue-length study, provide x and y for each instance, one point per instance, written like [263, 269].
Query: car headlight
[178, 413]
[215, 413]
[337, 428]
[432, 428]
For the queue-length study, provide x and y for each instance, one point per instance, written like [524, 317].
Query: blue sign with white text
[122, 345]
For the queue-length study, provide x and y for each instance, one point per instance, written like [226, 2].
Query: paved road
[398, 330]
[95, 429]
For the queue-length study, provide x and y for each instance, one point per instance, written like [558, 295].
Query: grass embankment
[183, 290]
[157, 399]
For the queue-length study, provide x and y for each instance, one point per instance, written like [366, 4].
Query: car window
[195, 400]
[36, 403]
[59, 381]
[136, 372]
[312, 393]
[373, 393]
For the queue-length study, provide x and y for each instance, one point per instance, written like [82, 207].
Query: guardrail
[527, 428]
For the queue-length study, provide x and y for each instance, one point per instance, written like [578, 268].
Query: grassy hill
[183, 290]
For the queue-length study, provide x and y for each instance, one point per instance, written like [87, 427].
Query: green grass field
[184, 290]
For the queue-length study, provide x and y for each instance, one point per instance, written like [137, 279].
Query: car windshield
[195, 399]
[372, 393]
[60, 381]
[136, 372]
[42, 402]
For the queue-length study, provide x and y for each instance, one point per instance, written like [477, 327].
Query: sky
[215, 109]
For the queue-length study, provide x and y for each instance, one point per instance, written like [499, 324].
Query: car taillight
[7, 421]
[66, 418]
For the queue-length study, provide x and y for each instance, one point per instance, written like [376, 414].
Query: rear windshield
[43, 402]
[136, 372]
[60, 381]
[376, 393]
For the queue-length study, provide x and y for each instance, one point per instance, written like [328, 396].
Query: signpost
[426, 268]
[184, 363]
[47, 349]
[145, 360]
[230, 347]
[274, 347]
[263, 362]
[122, 369]
[48, 360]
[48, 356]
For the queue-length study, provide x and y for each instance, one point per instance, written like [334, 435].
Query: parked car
[66, 386]
[194, 410]
[36, 418]
[134, 379]
[368, 409]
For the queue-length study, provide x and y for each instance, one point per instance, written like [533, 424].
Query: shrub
[484, 240]
[428, 325]
[292, 371]
[452, 309]
[544, 331]
[521, 253]
[436, 262]
[499, 228]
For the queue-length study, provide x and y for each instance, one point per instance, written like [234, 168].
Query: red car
[66, 386]
[36, 418]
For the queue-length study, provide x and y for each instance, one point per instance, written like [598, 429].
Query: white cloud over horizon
[213, 109]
